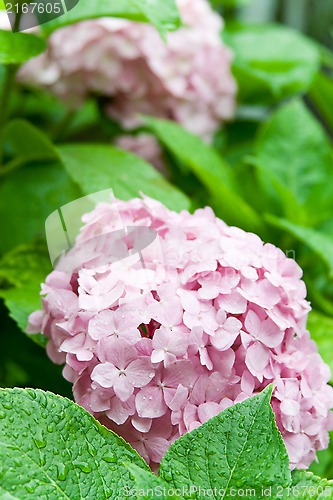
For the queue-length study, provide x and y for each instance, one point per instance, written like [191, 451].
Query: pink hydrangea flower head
[187, 79]
[207, 315]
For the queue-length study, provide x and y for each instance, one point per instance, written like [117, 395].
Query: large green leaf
[97, 167]
[271, 61]
[164, 15]
[321, 328]
[320, 243]
[148, 486]
[27, 197]
[239, 448]
[54, 449]
[295, 164]
[16, 48]
[210, 169]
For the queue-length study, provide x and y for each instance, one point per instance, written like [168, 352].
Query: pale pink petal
[123, 388]
[207, 411]
[233, 303]
[102, 325]
[179, 398]
[270, 334]
[290, 407]
[105, 374]
[116, 351]
[141, 424]
[140, 372]
[149, 403]
[257, 358]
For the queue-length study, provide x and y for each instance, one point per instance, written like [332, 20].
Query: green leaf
[23, 265]
[239, 448]
[38, 190]
[163, 15]
[21, 302]
[295, 164]
[321, 93]
[53, 448]
[229, 3]
[320, 327]
[96, 167]
[26, 141]
[148, 486]
[16, 48]
[321, 244]
[209, 168]
[306, 486]
[21, 273]
[271, 61]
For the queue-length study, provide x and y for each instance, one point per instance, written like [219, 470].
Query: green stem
[4, 102]
[17, 21]
[10, 71]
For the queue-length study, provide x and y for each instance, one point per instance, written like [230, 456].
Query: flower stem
[5, 91]
[10, 71]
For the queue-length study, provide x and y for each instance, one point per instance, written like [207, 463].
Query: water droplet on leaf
[62, 471]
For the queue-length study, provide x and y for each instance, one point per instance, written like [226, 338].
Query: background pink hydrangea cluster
[206, 316]
[187, 79]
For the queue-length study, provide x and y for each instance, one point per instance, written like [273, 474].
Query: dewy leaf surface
[239, 448]
[306, 486]
[148, 486]
[52, 449]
